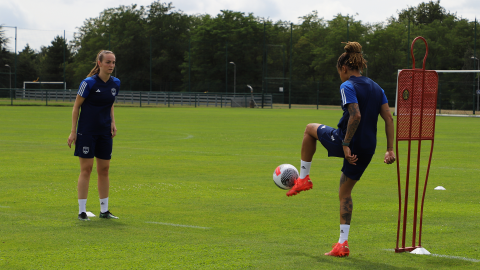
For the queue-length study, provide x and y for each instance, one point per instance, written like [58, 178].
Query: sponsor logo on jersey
[333, 139]
[86, 149]
[114, 91]
[98, 91]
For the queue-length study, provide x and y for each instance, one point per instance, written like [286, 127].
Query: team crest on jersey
[114, 91]
[86, 149]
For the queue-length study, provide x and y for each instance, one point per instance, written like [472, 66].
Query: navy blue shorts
[329, 138]
[89, 146]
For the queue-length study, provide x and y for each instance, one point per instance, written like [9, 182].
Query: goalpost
[35, 82]
[455, 97]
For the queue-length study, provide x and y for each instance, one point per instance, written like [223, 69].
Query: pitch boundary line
[456, 257]
[445, 256]
[177, 225]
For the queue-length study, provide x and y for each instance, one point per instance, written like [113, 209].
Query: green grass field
[193, 189]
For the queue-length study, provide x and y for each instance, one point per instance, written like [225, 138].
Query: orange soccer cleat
[300, 185]
[339, 250]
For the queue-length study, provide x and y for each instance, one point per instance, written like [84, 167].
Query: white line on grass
[456, 257]
[178, 225]
[188, 137]
[458, 115]
[447, 256]
[1, 206]
[217, 153]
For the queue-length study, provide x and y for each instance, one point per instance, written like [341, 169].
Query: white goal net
[458, 93]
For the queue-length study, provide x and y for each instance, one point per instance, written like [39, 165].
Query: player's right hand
[72, 139]
[352, 159]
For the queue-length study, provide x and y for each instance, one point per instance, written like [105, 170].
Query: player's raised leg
[309, 146]
[86, 165]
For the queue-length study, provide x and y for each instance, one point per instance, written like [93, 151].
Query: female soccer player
[355, 139]
[96, 129]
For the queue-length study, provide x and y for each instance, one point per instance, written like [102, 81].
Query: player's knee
[86, 170]
[311, 129]
[103, 170]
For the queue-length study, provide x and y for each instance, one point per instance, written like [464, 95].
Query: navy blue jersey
[370, 98]
[99, 96]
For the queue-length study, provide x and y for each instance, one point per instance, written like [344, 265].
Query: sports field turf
[193, 189]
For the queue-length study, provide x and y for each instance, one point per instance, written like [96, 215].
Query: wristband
[345, 144]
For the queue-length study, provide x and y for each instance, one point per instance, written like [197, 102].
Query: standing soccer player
[355, 139]
[96, 129]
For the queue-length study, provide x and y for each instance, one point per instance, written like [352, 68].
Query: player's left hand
[348, 155]
[389, 157]
[113, 130]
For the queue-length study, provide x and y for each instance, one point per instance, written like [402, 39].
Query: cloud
[39, 22]
[466, 9]
[12, 14]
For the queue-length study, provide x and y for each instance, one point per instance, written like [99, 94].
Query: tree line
[162, 49]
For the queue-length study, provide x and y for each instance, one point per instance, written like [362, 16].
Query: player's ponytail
[352, 57]
[96, 69]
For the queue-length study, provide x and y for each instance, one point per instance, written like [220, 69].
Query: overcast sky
[39, 21]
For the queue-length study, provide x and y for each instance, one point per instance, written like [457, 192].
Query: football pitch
[193, 189]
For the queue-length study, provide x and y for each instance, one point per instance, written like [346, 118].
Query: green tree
[228, 37]
[194, 52]
[154, 37]
[313, 31]
[3, 46]
[385, 49]
[425, 13]
[449, 37]
[120, 30]
[6, 57]
[27, 65]
[326, 55]
[277, 55]
[169, 34]
[56, 57]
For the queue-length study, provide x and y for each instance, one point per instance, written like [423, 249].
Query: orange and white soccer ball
[285, 175]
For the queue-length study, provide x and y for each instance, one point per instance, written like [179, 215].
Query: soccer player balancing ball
[284, 176]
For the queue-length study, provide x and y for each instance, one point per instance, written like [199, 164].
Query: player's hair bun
[352, 57]
[353, 47]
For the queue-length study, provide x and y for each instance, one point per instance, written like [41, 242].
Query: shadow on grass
[351, 262]
[102, 224]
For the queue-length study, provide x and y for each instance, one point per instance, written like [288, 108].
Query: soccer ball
[285, 175]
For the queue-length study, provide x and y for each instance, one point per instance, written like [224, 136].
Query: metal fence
[141, 98]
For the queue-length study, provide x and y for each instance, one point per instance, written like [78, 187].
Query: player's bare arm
[72, 138]
[113, 127]
[352, 126]
[353, 121]
[389, 132]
